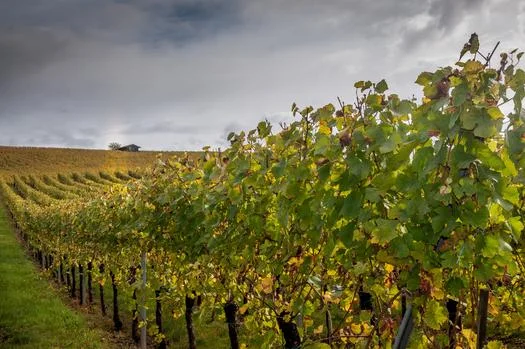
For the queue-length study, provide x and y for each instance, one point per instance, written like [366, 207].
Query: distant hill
[34, 160]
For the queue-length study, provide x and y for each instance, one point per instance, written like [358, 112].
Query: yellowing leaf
[243, 309]
[473, 66]
[307, 321]
[267, 285]
[470, 337]
[318, 330]
[331, 272]
[327, 297]
[495, 113]
[318, 346]
[324, 129]
[356, 328]
[389, 268]
[294, 261]
[495, 345]
[438, 293]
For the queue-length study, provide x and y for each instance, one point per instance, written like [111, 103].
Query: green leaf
[486, 127]
[322, 145]
[474, 43]
[324, 172]
[476, 218]
[495, 113]
[459, 94]
[511, 194]
[443, 218]
[422, 157]
[388, 146]
[363, 85]
[359, 84]
[488, 157]
[491, 247]
[460, 158]
[372, 194]
[424, 78]
[468, 120]
[352, 205]
[510, 169]
[381, 86]
[413, 278]
[346, 234]
[264, 128]
[435, 315]
[455, 285]
[515, 142]
[517, 81]
[386, 230]
[449, 259]
[399, 248]
[516, 227]
[358, 167]
[464, 50]
[507, 206]
[404, 107]
[484, 272]
[430, 91]
[374, 100]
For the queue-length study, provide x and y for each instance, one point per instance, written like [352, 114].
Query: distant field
[32, 160]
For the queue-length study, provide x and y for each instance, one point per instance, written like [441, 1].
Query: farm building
[129, 147]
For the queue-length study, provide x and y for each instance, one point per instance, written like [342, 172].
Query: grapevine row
[322, 231]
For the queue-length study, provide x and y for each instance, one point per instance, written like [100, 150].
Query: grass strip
[32, 314]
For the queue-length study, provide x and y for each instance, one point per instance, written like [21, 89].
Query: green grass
[32, 314]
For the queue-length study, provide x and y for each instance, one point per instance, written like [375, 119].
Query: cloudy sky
[181, 74]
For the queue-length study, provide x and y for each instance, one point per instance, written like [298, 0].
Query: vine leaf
[435, 315]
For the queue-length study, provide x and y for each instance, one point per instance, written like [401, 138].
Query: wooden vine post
[482, 317]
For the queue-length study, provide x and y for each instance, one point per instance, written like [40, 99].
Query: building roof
[129, 146]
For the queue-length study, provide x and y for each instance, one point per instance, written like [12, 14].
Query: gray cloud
[26, 50]
[53, 138]
[163, 127]
[173, 74]
[449, 13]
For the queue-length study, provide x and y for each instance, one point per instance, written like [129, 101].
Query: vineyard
[50, 161]
[322, 234]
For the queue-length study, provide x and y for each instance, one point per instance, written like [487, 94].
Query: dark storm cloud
[191, 20]
[33, 35]
[26, 50]
[181, 74]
